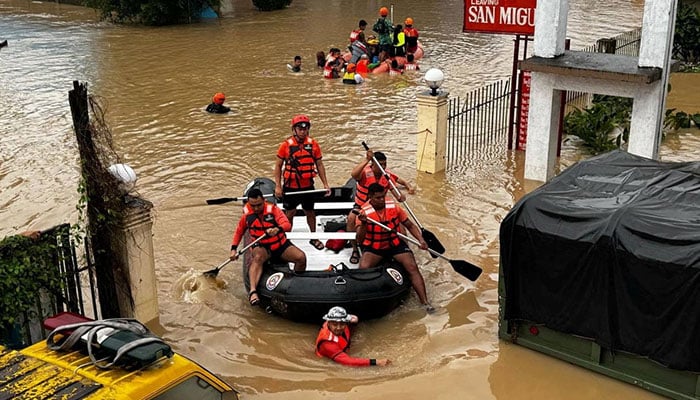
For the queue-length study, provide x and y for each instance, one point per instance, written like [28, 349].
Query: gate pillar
[134, 246]
[432, 132]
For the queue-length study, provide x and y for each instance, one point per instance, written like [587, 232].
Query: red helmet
[383, 11]
[299, 118]
[409, 21]
[219, 98]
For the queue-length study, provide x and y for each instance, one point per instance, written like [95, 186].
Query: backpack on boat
[337, 244]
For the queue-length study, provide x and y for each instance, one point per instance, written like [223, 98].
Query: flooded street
[155, 83]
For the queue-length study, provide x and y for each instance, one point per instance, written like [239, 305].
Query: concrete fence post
[432, 132]
[135, 249]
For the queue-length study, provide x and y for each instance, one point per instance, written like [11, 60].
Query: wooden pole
[112, 279]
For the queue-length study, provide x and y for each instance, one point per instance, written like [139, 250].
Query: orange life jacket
[301, 164]
[377, 237]
[362, 193]
[257, 225]
[325, 335]
[411, 39]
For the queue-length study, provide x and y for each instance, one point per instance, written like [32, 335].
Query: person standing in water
[334, 339]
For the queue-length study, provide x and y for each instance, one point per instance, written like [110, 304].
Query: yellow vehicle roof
[38, 372]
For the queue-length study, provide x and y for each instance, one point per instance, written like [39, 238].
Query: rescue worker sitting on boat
[378, 243]
[366, 173]
[263, 218]
[334, 338]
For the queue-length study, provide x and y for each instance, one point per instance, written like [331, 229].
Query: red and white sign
[525, 77]
[500, 16]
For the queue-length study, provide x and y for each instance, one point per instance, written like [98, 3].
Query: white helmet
[338, 314]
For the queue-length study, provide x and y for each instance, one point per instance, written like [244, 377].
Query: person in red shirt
[378, 243]
[262, 218]
[334, 338]
[299, 160]
[366, 173]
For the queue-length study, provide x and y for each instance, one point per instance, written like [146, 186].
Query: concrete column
[649, 108]
[543, 124]
[432, 128]
[550, 28]
[657, 33]
[647, 120]
[139, 298]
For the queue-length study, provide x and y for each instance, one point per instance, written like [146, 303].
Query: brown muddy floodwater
[155, 83]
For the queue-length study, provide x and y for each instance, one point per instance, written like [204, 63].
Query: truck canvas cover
[610, 250]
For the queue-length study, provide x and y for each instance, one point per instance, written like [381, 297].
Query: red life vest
[328, 72]
[362, 68]
[301, 164]
[325, 335]
[354, 35]
[257, 225]
[362, 194]
[377, 237]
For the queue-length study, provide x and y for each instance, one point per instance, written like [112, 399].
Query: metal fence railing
[77, 292]
[479, 118]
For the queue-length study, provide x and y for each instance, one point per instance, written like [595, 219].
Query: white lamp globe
[126, 176]
[434, 77]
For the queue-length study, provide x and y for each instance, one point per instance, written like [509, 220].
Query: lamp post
[432, 124]
[434, 77]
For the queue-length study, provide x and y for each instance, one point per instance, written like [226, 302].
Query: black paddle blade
[466, 269]
[212, 273]
[433, 242]
[221, 200]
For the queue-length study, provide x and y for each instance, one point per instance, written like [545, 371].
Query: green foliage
[596, 124]
[686, 40]
[269, 5]
[26, 268]
[152, 12]
[680, 120]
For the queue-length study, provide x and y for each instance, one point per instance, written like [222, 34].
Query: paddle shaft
[404, 237]
[394, 190]
[216, 270]
[305, 192]
[249, 245]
